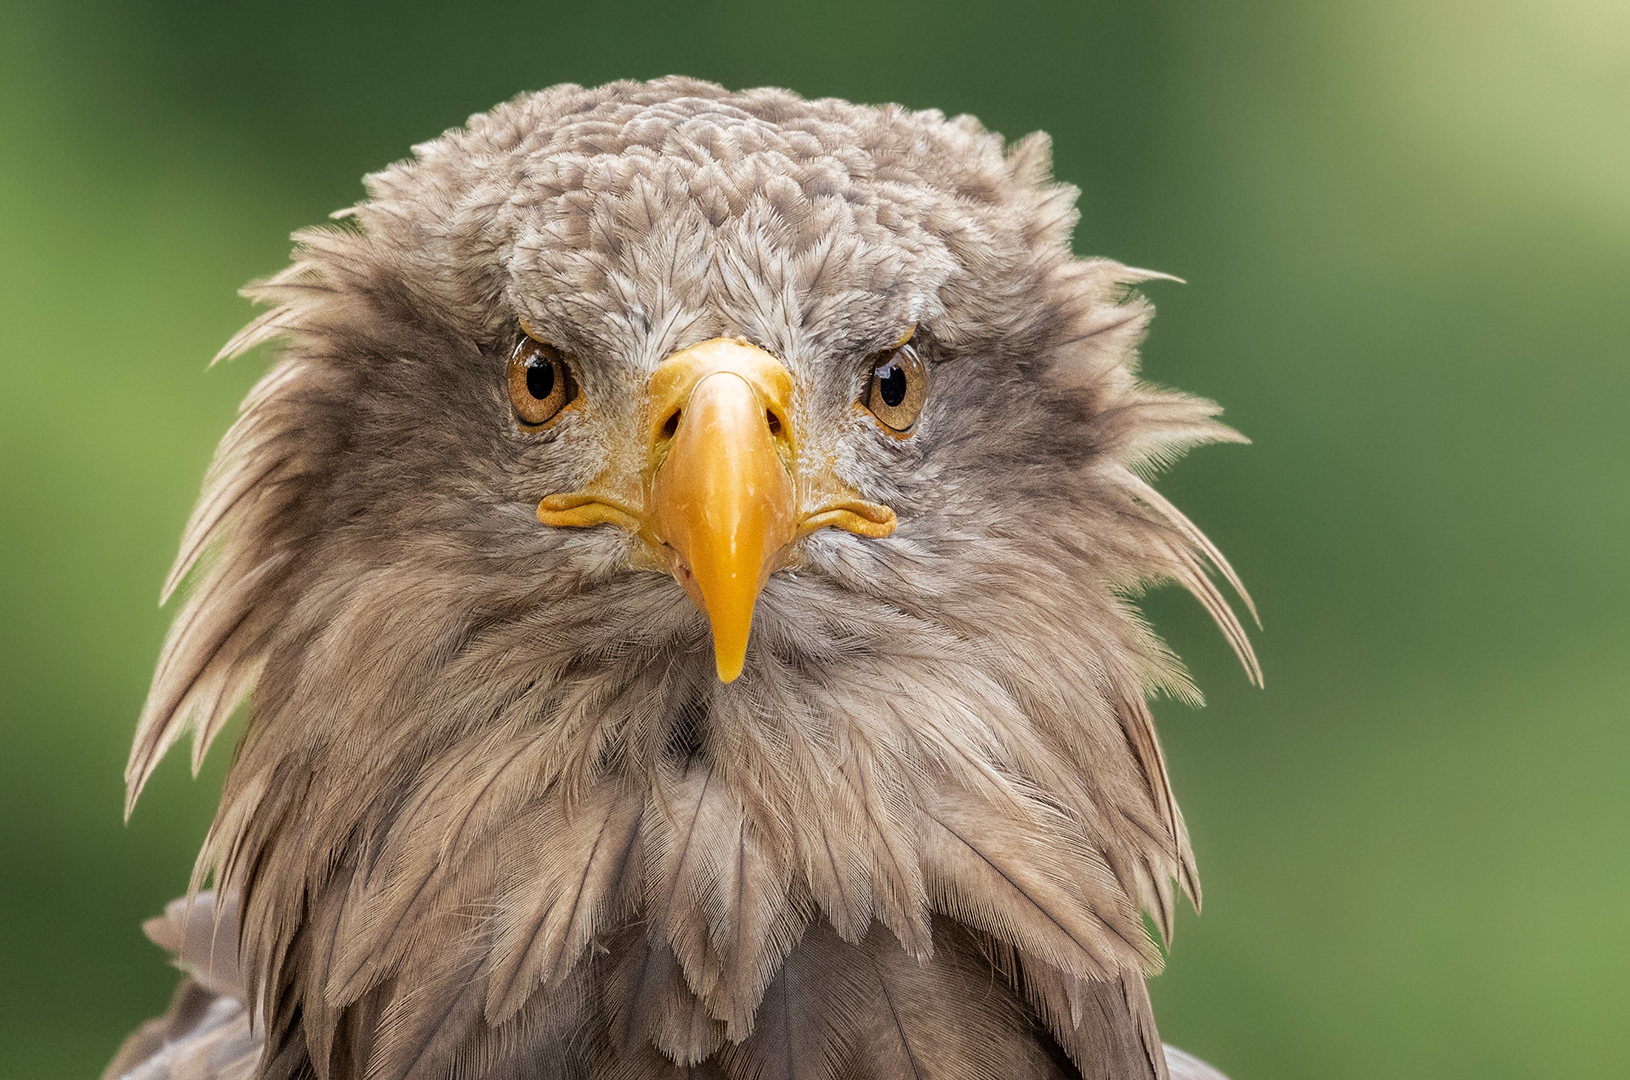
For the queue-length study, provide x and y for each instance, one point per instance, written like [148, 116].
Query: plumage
[509, 802]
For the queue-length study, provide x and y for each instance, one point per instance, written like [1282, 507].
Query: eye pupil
[540, 378]
[891, 383]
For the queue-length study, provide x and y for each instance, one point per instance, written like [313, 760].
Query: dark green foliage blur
[1405, 229]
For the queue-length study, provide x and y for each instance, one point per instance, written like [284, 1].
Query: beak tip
[729, 666]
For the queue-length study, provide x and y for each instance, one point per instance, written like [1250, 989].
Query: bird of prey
[682, 568]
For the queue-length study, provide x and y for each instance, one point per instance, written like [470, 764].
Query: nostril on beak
[670, 426]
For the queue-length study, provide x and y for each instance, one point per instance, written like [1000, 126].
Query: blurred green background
[1406, 231]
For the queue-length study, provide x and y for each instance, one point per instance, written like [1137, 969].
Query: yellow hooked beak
[722, 490]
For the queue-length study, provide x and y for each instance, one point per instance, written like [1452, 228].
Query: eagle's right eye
[540, 382]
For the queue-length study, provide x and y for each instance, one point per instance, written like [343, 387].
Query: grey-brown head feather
[493, 812]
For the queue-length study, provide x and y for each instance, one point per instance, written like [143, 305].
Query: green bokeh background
[1404, 226]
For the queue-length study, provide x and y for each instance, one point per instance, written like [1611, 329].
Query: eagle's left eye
[898, 387]
[540, 382]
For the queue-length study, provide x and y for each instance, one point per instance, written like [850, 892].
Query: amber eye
[540, 382]
[897, 390]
